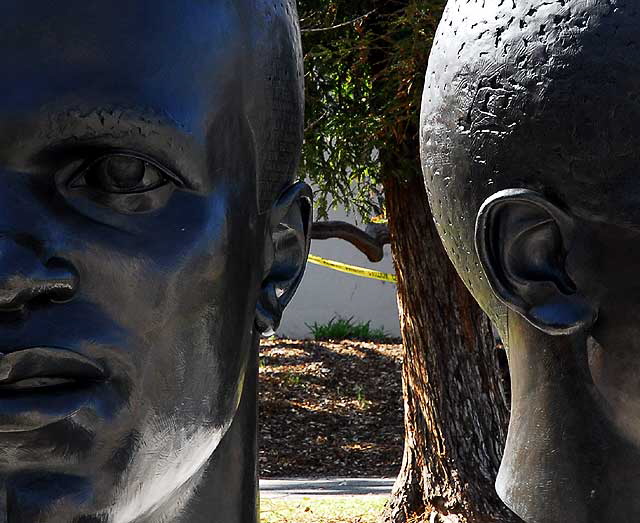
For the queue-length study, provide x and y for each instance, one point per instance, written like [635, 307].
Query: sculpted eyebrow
[175, 149]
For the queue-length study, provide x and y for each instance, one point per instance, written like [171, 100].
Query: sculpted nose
[25, 278]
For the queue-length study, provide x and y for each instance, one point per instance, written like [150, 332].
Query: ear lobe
[286, 251]
[522, 241]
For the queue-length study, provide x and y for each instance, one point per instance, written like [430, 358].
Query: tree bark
[369, 242]
[455, 414]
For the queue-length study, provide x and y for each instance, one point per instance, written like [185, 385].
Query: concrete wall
[325, 293]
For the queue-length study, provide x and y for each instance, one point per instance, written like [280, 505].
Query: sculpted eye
[122, 181]
[121, 174]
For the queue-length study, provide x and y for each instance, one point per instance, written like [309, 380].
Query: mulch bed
[330, 408]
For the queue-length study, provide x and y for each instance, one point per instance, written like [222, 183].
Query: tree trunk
[455, 414]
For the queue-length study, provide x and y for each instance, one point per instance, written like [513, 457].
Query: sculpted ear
[522, 241]
[286, 254]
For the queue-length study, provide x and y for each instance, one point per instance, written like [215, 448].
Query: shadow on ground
[330, 409]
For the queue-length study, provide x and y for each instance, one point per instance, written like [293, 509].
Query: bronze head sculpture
[150, 229]
[531, 150]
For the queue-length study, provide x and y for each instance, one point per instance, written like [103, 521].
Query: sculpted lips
[41, 365]
[42, 385]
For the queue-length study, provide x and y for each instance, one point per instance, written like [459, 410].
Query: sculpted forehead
[539, 95]
[166, 57]
[542, 95]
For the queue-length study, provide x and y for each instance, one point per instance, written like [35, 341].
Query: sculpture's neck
[226, 491]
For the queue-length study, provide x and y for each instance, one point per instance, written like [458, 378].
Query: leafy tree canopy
[364, 74]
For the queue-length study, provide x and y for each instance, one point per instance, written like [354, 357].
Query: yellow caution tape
[352, 269]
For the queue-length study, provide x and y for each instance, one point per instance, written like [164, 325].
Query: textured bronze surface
[530, 146]
[149, 230]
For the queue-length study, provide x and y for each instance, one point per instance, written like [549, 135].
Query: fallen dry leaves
[330, 408]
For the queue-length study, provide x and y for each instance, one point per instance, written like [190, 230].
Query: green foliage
[364, 72]
[346, 329]
[290, 378]
[360, 396]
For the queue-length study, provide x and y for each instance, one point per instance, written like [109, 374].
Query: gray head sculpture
[150, 229]
[530, 143]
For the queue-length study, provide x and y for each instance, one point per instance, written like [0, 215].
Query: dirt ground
[330, 408]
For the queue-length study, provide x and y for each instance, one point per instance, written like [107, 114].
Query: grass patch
[339, 328]
[343, 509]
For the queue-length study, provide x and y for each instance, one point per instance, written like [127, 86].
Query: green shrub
[346, 329]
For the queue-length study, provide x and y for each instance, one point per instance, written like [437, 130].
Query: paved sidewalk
[293, 488]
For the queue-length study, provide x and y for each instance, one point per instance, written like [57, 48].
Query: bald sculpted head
[530, 145]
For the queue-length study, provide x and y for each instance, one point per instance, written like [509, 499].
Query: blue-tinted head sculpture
[530, 143]
[149, 230]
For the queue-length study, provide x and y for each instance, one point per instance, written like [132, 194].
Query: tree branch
[310, 126]
[370, 241]
[337, 26]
